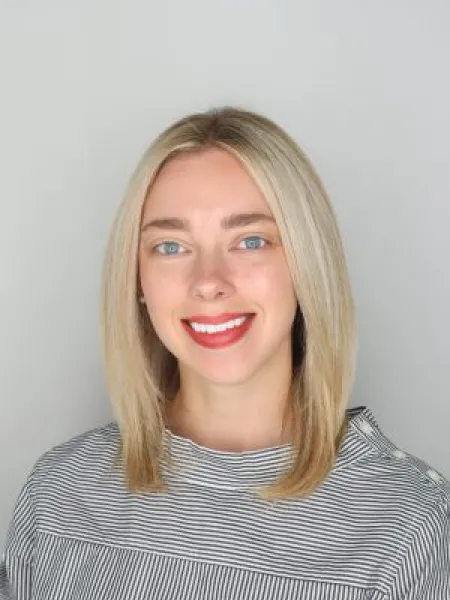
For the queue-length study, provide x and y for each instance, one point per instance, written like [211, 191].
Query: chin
[225, 374]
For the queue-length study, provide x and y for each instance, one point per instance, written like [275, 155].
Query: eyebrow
[232, 221]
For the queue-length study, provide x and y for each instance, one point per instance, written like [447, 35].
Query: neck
[233, 418]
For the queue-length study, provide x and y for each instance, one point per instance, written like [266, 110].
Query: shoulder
[386, 461]
[400, 487]
[84, 456]
[58, 479]
[404, 502]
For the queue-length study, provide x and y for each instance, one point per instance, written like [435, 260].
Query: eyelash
[250, 237]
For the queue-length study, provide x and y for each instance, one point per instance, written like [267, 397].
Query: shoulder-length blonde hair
[142, 374]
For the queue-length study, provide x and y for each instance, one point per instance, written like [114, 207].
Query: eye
[168, 248]
[253, 242]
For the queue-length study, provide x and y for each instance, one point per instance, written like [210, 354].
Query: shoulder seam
[442, 486]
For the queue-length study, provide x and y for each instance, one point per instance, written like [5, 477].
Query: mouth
[220, 331]
[212, 325]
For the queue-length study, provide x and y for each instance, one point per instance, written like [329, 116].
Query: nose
[211, 278]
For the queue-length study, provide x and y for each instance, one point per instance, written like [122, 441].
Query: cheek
[161, 287]
[161, 293]
[269, 283]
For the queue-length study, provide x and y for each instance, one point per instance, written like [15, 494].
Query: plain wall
[86, 85]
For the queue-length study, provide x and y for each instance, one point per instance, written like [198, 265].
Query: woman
[234, 468]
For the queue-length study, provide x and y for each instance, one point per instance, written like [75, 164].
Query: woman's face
[210, 256]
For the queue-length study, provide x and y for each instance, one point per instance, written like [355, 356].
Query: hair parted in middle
[142, 374]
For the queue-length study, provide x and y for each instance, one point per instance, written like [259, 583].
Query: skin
[230, 398]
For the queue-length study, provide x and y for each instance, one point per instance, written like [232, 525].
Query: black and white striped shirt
[378, 528]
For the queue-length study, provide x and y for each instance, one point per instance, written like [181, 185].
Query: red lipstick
[218, 339]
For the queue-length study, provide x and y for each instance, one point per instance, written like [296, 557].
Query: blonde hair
[142, 374]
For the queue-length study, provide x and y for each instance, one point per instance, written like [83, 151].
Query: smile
[219, 334]
[208, 328]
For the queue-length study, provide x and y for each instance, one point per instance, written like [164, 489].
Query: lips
[219, 339]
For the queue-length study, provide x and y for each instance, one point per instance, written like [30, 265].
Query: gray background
[364, 88]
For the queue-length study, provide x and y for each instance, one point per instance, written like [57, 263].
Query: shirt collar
[200, 465]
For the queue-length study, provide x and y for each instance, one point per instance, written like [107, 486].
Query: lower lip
[221, 338]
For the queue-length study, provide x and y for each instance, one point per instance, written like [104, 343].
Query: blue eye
[254, 242]
[168, 248]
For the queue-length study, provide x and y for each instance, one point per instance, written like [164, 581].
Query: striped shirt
[377, 528]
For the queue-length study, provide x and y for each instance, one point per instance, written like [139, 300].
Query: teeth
[203, 328]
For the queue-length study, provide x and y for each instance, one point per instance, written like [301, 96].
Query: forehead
[213, 181]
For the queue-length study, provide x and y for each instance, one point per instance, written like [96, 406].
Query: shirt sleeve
[16, 565]
[424, 569]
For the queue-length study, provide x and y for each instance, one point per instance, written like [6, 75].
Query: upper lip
[217, 319]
